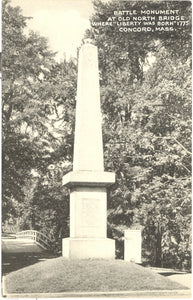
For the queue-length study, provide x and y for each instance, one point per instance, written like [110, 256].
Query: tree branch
[182, 146]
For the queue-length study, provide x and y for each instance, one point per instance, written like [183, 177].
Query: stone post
[132, 245]
[88, 181]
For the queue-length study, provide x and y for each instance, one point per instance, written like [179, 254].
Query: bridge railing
[41, 239]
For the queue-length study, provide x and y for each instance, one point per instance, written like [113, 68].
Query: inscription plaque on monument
[91, 219]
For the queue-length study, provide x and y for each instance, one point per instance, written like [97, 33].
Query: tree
[147, 129]
[24, 60]
[38, 121]
[166, 196]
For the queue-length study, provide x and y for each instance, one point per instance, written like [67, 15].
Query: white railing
[41, 239]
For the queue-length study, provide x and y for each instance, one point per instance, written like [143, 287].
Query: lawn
[62, 275]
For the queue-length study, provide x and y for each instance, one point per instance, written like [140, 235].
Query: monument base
[82, 248]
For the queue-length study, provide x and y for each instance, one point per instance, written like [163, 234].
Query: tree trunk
[158, 250]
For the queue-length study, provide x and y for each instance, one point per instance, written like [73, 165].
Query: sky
[63, 22]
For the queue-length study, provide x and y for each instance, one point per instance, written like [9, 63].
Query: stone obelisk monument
[88, 181]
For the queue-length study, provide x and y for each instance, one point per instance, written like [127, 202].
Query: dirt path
[174, 275]
[20, 253]
[184, 279]
[19, 246]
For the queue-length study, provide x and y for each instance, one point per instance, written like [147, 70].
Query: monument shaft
[88, 147]
[88, 181]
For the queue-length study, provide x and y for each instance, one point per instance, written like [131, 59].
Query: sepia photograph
[96, 149]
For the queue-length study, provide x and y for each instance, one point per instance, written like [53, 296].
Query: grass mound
[62, 275]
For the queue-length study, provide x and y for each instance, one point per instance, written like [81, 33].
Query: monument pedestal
[88, 215]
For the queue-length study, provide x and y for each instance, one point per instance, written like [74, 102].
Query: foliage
[146, 108]
[147, 131]
[38, 120]
[23, 60]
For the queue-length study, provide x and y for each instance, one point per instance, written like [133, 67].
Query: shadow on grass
[15, 261]
[169, 273]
